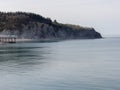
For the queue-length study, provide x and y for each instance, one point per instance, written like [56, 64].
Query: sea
[85, 64]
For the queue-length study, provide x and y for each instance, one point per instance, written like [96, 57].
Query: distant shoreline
[50, 40]
[31, 25]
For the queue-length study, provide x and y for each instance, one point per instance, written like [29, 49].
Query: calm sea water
[64, 65]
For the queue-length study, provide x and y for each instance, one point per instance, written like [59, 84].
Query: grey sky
[103, 15]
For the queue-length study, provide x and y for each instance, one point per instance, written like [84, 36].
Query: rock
[33, 26]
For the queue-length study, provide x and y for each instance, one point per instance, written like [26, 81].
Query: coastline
[37, 40]
[23, 40]
[51, 39]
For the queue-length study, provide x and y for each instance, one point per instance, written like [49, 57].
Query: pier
[7, 38]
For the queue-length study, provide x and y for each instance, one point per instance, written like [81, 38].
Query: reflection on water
[21, 57]
[65, 65]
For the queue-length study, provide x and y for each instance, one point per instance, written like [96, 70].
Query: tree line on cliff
[22, 21]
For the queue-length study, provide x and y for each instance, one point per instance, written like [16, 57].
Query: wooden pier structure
[7, 38]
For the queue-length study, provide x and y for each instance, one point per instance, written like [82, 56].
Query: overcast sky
[103, 15]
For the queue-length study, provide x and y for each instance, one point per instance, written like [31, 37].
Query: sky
[103, 15]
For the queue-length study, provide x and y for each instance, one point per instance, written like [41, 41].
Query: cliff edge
[33, 26]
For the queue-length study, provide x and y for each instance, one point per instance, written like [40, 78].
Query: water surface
[65, 65]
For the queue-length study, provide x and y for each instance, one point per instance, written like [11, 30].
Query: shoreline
[37, 40]
[45, 40]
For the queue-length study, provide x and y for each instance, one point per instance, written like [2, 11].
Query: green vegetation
[16, 20]
[30, 25]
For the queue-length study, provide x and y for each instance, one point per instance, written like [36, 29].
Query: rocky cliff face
[32, 26]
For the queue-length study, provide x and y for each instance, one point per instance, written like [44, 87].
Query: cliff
[33, 26]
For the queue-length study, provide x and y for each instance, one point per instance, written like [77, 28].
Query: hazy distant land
[33, 26]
